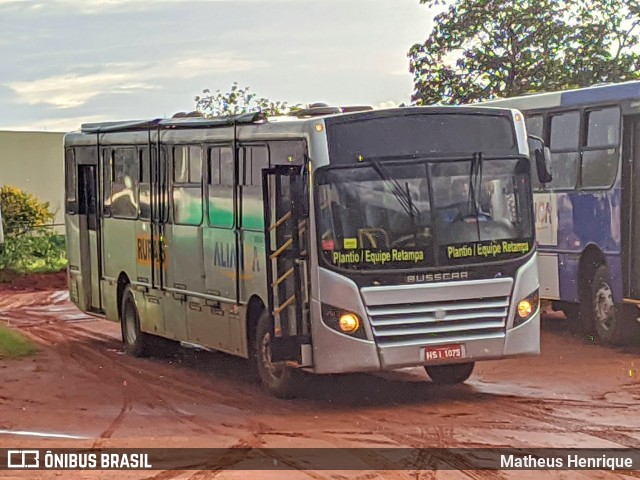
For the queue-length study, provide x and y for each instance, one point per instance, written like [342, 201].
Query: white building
[34, 162]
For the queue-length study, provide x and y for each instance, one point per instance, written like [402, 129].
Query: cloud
[56, 124]
[93, 7]
[72, 90]
[84, 5]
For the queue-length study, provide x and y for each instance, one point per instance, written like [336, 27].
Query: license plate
[444, 352]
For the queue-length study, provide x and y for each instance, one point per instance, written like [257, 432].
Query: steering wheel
[410, 240]
[482, 217]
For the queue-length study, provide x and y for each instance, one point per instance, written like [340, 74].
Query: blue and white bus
[588, 216]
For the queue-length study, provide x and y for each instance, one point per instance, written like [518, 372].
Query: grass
[14, 345]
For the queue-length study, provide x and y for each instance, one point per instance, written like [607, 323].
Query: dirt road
[82, 385]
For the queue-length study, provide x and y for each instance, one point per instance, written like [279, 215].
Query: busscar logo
[437, 277]
[23, 459]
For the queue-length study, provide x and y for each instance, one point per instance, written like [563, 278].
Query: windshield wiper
[475, 183]
[402, 196]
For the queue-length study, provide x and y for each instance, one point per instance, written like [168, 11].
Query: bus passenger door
[89, 234]
[286, 234]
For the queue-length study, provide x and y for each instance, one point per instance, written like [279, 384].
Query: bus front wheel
[614, 324]
[450, 374]
[277, 377]
[136, 342]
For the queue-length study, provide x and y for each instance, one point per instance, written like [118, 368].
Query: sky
[66, 62]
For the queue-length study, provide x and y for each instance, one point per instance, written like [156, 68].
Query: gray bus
[328, 242]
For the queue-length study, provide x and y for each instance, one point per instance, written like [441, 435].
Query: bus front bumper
[337, 353]
[519, 341]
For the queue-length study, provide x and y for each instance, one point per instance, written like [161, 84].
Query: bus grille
[427, 323]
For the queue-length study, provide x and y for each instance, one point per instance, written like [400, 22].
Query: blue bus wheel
[614, 324]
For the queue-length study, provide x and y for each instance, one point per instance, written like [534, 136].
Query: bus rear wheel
[136, 342]
[450, 374]
[614, 324]
[277, 377]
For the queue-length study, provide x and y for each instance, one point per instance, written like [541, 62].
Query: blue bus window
[603, 127]
[535, 125]
[565, 131]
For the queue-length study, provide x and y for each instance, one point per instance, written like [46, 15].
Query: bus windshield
[404, 214]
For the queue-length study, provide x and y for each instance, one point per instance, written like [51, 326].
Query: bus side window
[70, 184]
[535, 125]
[144, 190]
[259, 161]
[253, 160]
[187, 185]
[600, 154]
[126, 173]
[564, 144]
[107, 178]
[220, 187]
[161, 183]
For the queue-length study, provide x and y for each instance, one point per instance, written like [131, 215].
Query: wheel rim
[273, 369]
[130, 334]
[604, 308]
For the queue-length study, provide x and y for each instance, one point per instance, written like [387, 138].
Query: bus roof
[259, 117]
[614, 92]
[182, 122]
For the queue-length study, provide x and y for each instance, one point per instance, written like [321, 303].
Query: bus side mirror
[542, 156]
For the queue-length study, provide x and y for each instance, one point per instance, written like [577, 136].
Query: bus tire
[136, 342]
[450, 374]
[278, 378]
[614, 324]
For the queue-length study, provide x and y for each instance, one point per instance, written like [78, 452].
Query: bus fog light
[349, 323]
[526, 308]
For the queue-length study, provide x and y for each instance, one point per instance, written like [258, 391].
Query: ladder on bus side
[286, 242]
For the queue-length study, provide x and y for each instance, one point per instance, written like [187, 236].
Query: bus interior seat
[373, 238]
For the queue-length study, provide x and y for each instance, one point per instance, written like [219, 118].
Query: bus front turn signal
[526, 308]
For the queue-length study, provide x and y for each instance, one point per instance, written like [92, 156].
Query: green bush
[31, 244]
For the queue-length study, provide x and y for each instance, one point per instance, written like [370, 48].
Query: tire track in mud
[546, 415]
[82, 349]
[434, 437]
[70, 342]
[109, 431]
[134, 389]
[74, 339]
[540, 410]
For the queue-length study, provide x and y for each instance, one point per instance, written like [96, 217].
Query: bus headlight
[526, 308]
[349, 323]
[343, 321]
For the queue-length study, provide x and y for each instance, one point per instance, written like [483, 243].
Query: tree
[22, 211]
[238, 100]
[483, 49]
[30, 241]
